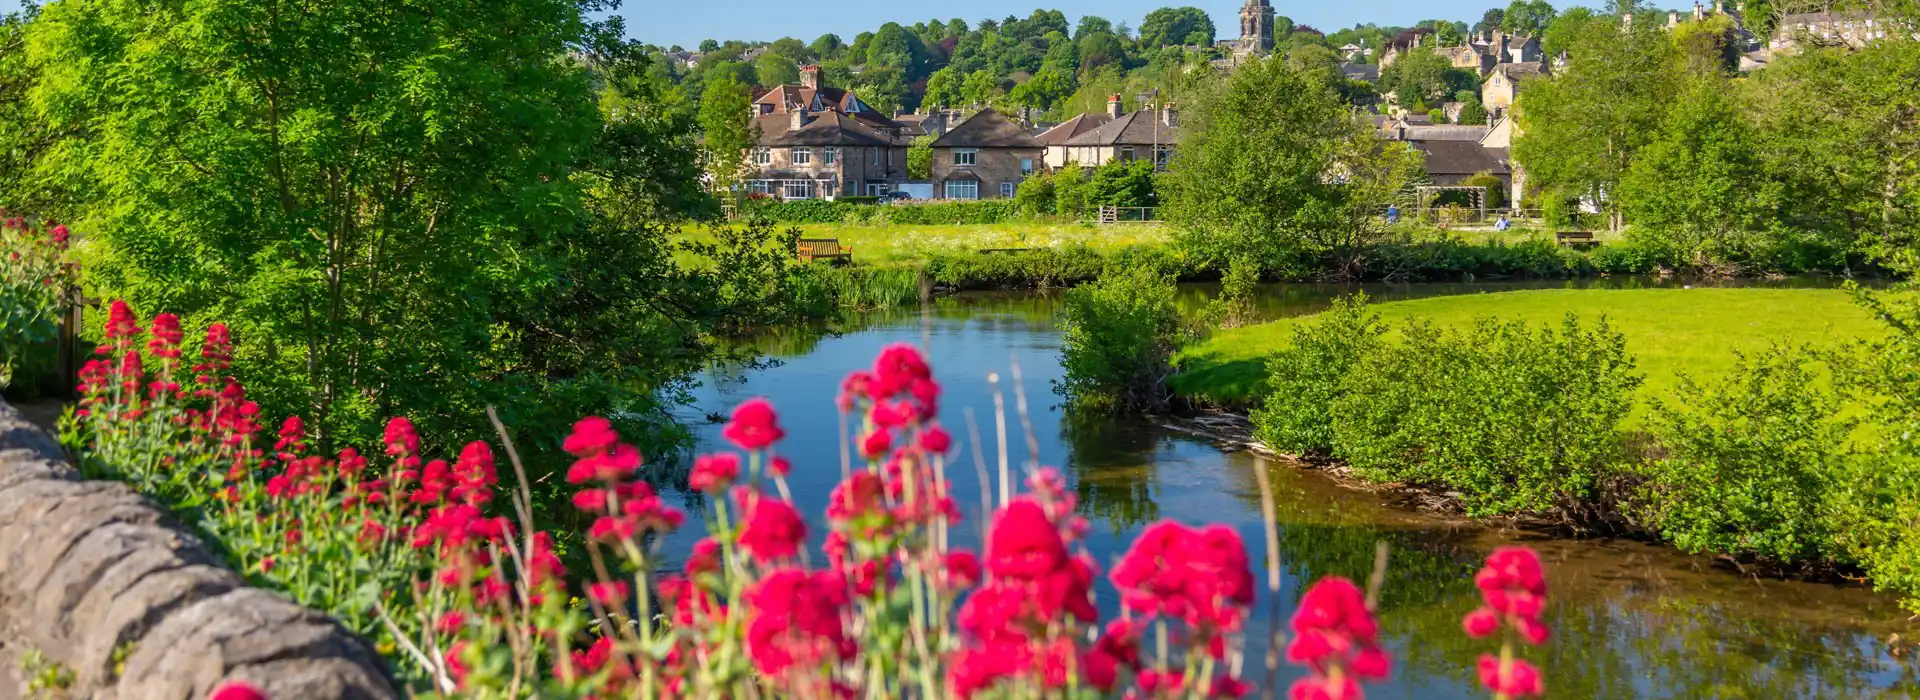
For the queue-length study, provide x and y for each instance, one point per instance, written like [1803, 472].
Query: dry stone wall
[101, 585]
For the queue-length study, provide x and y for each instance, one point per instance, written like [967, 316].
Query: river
[1629, 619]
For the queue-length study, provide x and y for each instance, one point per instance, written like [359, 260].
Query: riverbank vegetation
[1779, 434]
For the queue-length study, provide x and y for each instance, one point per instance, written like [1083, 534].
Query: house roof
[1517, 72]
[824, 129]
[1461, 157]
[1362, 71]
[1059, 135]
[1446, 132]
[1140, 127]
[785, 98]
[987, 128]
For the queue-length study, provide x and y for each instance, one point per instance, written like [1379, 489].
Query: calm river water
[1629, 619]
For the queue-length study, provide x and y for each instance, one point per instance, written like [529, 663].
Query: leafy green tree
[920, 157]
[1091, 25]
[1173, 26]
[1071, 190]
[772, 69]
[1062, 54]
[1098, 50]
[1560, 31]
[1582, 128]
[1490, 20]
[1701, 188]
[793, 49]
[1042, 90]
[24, 138]
[1707, 47]
[1424, 76]
[725, 110]
[1528, 18]
[709, 46]
[1472, 112]
[943, 89]
[1036, 195]
[1272, 166]
[1124, 183]
[827, 47]
[980, 88]
[884, 88]
[895, 47]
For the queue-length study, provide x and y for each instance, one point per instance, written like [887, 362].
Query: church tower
[1256, 28]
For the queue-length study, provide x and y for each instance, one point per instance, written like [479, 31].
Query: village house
[1503, 85]
[1402, 43]
[1056, 138]
[985, 156]
[1142, 134]
[823, 155]
[811, 96]
[1852, 30]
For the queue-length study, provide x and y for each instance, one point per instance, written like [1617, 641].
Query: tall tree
[1701, 188]
[1582, 129]
[1490, 20]
[827, 47]
[1090, 25]
[1272, 166]
[772, 69]
[1527, 17]
[725, 107]
[1174, 26]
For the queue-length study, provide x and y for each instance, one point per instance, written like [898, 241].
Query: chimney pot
[797, 119]
[810, 77]
[1168, 115]
[1113, 106]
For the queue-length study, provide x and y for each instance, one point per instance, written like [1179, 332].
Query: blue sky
[686, 22]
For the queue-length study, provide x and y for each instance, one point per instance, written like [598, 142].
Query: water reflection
[1630, 619]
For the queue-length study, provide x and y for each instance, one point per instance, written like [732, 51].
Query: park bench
[811, 249]
[990, 251]
[1574, 238]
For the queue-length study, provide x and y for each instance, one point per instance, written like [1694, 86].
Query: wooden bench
[1574, 238]
[990, 251]
[811, 249]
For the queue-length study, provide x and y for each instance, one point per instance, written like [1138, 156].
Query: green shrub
[1518, 420]
[1749, 460]
[1876, 501]
[1040, 267]
[858, 200]
[1120, 332]
[1124, 183]
[1305, 378]
[1072, 192]
[820, 211]
[1036, 195]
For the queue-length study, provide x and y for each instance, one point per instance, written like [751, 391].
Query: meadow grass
[885, 243]
[1669, 332]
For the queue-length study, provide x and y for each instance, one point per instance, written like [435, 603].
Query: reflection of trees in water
[1112, 467]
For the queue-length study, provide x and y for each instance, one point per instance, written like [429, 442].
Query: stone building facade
[985, 156]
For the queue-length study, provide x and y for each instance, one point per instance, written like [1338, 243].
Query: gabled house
[985, 156]
[823, 155]
[1056, 138]
[1452, 162]
[1503, 85]
[1138, 135]
[811, 96]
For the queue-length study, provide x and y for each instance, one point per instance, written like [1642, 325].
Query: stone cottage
[985, 156]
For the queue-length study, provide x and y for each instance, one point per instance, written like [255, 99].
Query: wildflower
[1023, 543]
[59, 235]
[705, 558]
[1201, 576]
[122, 325]
[1518, 679]
[1515, 590]
[796, 620]
[772, 529]
[237, 690]
[473, 475]
[755, 426]
[897, 368]
[876, 445]
[351, 464]
[591, 435]
[608, 593]
[962, 569]
[854, 388]
[165, 342]
[401, 439]
[935, 440]
[714, 473]
[216, 355]
[1336, 638]
[779, 466]
[613, 465]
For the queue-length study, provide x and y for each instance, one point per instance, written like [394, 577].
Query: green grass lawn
[1668, 331]
[897, 242]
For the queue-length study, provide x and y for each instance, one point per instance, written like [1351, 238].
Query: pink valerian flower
[1337, 639]
[1023, 620]
[123, 328]
[609, 593]
[754, 426]
[714, 473]
[771, 529]
[1518, 679]
[1513, 585]
[216, 355]
[473, 476]
[401, 439]
[165, 337]
[796, 621]
[237, 690]
[1199, 576]
[292, 439]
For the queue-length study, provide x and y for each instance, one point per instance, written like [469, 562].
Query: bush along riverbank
[447, 566]
[1435, 257]
[1798, 459]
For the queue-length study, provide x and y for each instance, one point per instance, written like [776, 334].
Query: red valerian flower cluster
[1199, 576]
[1337, 639]
[1514, 586]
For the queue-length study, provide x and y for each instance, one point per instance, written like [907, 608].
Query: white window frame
[966, 157]
[763, 156]
[760, 186]
[800, 156]
[1006, 190]
[1026, 166]
[1126, 153]
[876, 155]
[962, 189]
[830, 154]
[878, 189]
[796, 189]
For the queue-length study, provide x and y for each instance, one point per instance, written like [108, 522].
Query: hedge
[818, 211]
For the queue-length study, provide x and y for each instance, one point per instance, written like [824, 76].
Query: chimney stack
[810, 77]
[797, 119]
[1673, 18]
[1169, 116]
[1699, 13]
[1113, 106]
[1719, 7]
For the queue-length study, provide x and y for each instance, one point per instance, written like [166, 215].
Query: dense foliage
[820, 211]
[475, 220]
[1119, 334]
[34, 280]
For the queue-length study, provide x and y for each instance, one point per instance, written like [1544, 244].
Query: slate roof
[987, 128]
[1059, 135]
[785, 97]
[1446, 132]
[1517, 72]
[1461, 157]
[1361, 71]
[825, 129]
[1137, 128]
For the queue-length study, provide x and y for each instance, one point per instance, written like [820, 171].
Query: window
[1006, 189]
[832, 154]
[965, 156]
[826, 190]
[797, 189]
[1126, 153]
[762, 156]
[878, 189]
[802, 156]
[1026, 166]
[1161, 156]
[963, 189]
[876, 155]
[760, 187]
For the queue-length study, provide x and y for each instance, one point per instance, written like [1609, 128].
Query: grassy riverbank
[895, 243]
[1668, 331]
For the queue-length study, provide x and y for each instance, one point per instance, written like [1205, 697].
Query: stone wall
[106, 586]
